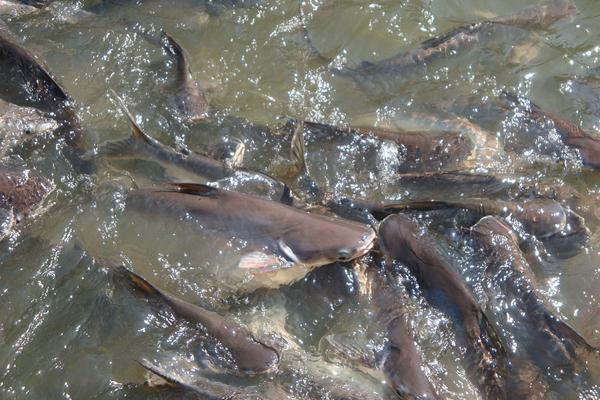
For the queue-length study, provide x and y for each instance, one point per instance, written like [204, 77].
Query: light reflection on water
[69, 330]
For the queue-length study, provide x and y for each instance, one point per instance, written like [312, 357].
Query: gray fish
[22, 124]
[295, 238]
[21, 192]
[201, 387]
[251, 356]
[14, 8]
[460, 40]
[402, 363]
[553, 343]
[141, 146]
[587, 144]
[540, 217]
[418, 150]
[445, 289]
[189, 97]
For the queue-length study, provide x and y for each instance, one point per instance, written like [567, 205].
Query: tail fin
[139, 282]
[137, 132]
[566, 333]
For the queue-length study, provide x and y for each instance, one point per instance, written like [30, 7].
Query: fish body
[553, 343]
[141, 146]
[445, 289]
[540, 217]
[189, 97]
[418, 150]
[251, 356]
[303, 239]
[15, 8]
[402, 362]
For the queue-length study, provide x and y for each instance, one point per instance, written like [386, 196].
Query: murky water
[70, 329]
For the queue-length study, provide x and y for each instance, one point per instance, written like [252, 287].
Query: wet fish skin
[539, 16]
[202, 387]
[403, 365]
[444, 289]
[306, 239]
[20, 124]
[507, 266]
[540, 217]
[190, 99]
[141, 146]
[421, 150]
[251, 356]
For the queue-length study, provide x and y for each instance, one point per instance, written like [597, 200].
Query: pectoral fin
[259, 262]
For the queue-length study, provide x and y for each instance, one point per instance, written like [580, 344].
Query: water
[69, 329]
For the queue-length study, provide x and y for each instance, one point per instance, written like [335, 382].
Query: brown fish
[553, 343]
[540, 217]
[587, 144]
[250, 355]
[402, 364]
[457, 41]
[418, 150]
[445, 289]
[282, 236]
[189, 96]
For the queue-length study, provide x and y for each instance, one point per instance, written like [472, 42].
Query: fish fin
[7, 221]
[170, 44]
[567, 333]
[261, 262]
[161, 373]
[494, 340]
[195, 188]
[122, 148]
[136, 131]
[418, 206]
[139, 282]
[287, 251]
[286, 196]
[238, 154]
[298, 150]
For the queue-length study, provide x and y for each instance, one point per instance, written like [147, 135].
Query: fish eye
[344, 255]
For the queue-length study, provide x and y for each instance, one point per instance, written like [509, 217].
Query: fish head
[329, 241]
[543, 217]
[397, 233]
[555, 10]
[489, 229]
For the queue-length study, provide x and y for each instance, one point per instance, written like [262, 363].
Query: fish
[457, 182]
[200, 387]
[446, 290]
[282, 237]
[552, 341]
[19, 125]
[586, 144]
[418, 150]
[21, 192]
[190, 99]
[540, 217]
[141, 146]
[15, 8]
[250, 355]
[457, 41]
[22, 77]
[402, 361]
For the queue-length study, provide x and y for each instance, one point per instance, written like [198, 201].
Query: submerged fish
[21, 124]
[251, 356]
[540, 217]
[418, 150]
[141, 146]
[445, 289]
[21, 192]
[552, 343]
[15, 8]
[282, 236]
[201, 387]
[587, 144]
[402, 363]
[190, 100]
[459, 40]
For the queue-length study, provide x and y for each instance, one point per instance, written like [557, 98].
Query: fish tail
[568, 334]
[170, 45]
[139, 282]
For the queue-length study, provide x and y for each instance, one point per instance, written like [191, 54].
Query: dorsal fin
[195, 188]
[136, 131]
